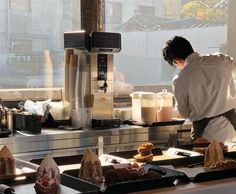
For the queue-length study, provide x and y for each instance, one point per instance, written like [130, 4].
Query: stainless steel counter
[65, 143]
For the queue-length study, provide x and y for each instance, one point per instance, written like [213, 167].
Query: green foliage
[203, 10]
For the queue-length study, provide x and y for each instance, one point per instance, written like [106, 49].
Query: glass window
[114, 12]
[24, 5]
[146, 10]
[32, 47]
[147, 25]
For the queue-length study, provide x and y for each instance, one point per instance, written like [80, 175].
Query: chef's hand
[176, 114]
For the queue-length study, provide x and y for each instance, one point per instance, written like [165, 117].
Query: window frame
[40, 94]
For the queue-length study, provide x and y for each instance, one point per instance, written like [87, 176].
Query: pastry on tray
[47, 177]
[129, 172]
[7, 162]
[226, 164]
[91, 169]
[214, 157]
[144, 153]
[213, 154]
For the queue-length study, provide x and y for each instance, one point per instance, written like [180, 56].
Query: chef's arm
[183, 110]
[181, 102]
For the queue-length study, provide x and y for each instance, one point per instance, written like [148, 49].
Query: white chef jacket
[204, 88]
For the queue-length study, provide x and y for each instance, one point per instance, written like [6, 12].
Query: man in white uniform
[204, 90]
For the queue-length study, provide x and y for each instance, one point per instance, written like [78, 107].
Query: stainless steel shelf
[65, 143]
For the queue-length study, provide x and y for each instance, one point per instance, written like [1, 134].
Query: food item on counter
[226, 164]
[144, 153]
[200, 145]
[128, 173]
[7, 162]
[48, 177]
[117, 175]
[213, 154]
[91, 169]
[214, 158]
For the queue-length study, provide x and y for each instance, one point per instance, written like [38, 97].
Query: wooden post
[92, 15]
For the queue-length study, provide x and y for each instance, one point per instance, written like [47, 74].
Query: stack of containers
[149, 107]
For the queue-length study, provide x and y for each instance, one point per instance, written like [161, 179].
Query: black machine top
[107, 42]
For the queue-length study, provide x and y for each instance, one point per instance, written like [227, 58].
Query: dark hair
[177, 47]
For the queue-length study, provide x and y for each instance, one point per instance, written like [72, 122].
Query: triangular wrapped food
[213, 154]
[91, 169]
[7, 162]
[48, 177]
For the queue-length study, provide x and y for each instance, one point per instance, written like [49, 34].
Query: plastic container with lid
[165, 110]
[148, 107]
[136, 106]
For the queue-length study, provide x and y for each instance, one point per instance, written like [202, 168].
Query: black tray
[23, 183]
[214, 174]
[62, 160]
[5, 133]
[81, 185]
[195, 165]
[166, 123]
[168, 178]
[162, 123]
[21, 175]
[69, 185]
[130, 154]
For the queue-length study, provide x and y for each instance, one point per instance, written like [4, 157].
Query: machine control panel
[102, 66]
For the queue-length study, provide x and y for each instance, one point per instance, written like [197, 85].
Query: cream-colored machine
[94, 82]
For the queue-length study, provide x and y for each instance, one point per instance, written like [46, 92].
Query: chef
[204, 90]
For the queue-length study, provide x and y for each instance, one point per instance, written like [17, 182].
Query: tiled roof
[141, 22]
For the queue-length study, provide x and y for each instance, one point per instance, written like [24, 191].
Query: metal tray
[167, 179]
[167, 123]
[23, 183]
[193, 168]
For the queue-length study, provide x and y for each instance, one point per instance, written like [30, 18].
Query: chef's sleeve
[181, 99]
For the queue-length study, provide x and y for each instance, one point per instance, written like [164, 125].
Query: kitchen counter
[217, 187]
[65, 143]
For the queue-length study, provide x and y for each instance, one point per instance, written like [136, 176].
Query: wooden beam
[92, 15]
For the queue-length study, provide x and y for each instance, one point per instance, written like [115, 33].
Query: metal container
[165, 110]
[94, 77]
[30, 123]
